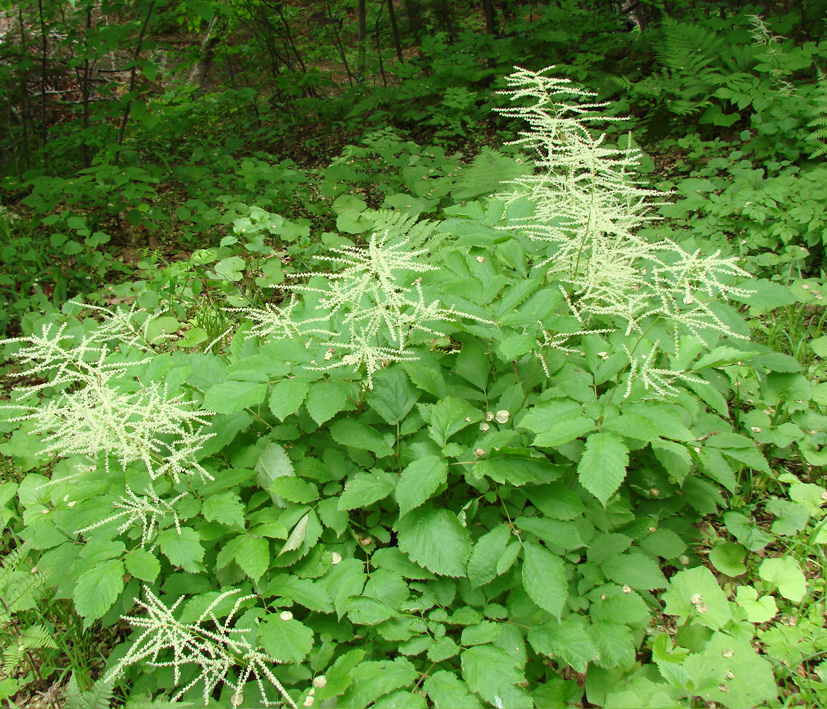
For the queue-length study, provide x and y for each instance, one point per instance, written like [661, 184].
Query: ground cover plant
[411, 427]
[442, 470]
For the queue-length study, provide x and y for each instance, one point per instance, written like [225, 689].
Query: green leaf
[419, 481]
[544, 416]
[224, 507]
[392, 396]
[632, 426]
[758, 611]
[554, 532]
[182, 549]
[747, 678]
[143, 565]
[442, 649]
[252, 554]
[728, 558]
[447, 691]
[363, 489]
[556, 500]
[615, 644]
[285, 640]
[448, 416]
[567, 642]
[489, 671]
[305, 592]
[232, 395]
[372, 680]
[603, 465]
[785, 573]
[435, 539]
[97, 589]
[544, 578]
[564, 431]
[473, 365]
[287, 396]
[295, 489]
[516, 469]
[359, 435]
[665, 543]
[695, 593]
[326, 399]
[273, 463]
[635, 570]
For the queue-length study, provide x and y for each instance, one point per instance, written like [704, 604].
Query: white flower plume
[213, 646]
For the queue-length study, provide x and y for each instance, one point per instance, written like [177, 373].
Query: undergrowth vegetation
[480, 406]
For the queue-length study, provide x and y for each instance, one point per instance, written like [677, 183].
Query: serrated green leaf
[97, 589]
[544, 578]
[617, 605]
[368, 611]
[359, 435]
[632, 425]
[372, 680]
[419, 481]
[447, 691]
[480, 634]
[551, 531]
[233, 395]
[489, 670]
[603, 465]
[272, 464]
[635, 570]
[563, 431]
[449, 416]
[182, 549]
[297, 535]
[306, 592]
[542, 417]
[224, 507]
[567, 642]
[442, 649]
[435, 539]
[252, 554]
[665, 543]
[287, 396]
[326, 399]
[295, 489]
[516, 469]
[363, 489]
[285, 640]
[142, 565]
[482, 564]
[392, 396]
[556, 500]
[614, 643]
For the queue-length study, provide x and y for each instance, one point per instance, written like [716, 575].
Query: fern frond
[99, 697]
[687, 48]
[819, 117]
[487, 172]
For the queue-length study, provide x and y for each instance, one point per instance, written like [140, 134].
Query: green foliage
[390, 477]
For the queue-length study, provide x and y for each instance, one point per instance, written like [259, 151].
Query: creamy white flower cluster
[102, 410]
[378, 294]
[215, 647]
[588, 209]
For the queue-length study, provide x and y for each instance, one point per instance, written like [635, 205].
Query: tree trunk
[361, 41]
[132, 77]
[490, 17]
[394, 30]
